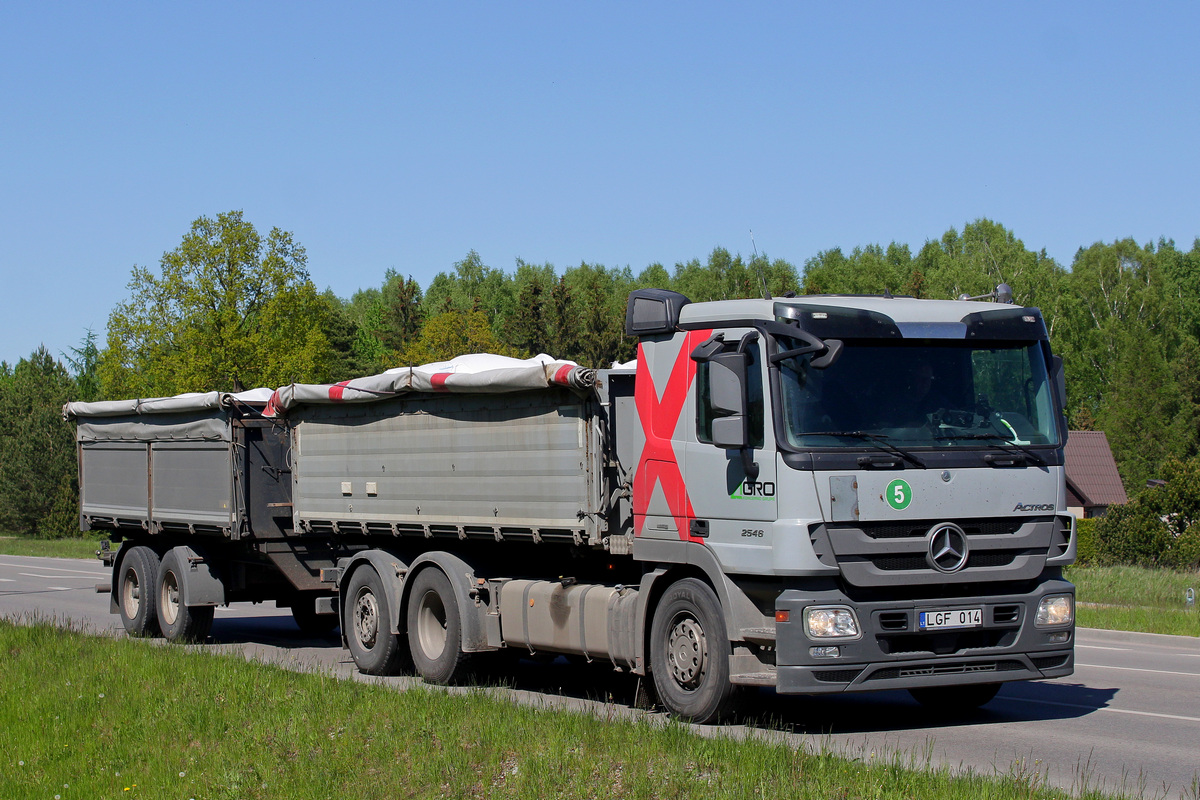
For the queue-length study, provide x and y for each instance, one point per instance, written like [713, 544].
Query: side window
[704, 410]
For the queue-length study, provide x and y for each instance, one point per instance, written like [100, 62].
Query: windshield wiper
[1003, 443]
[875, 438]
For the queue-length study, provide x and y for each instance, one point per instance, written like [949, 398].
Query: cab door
[733, 510]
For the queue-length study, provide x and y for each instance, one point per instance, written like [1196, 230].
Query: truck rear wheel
[135, 591]
[435, 628]
[689, 653]
[367, 624]
[179, 623]
[947, 699]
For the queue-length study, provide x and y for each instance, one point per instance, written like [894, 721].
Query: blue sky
[403, 135]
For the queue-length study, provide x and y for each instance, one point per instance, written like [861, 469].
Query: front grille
[836, 675]
[946, 643]
[894, 621]
[949, 668]
[1050, 662]
[1006, 615]
[916, 529]
[894, 563]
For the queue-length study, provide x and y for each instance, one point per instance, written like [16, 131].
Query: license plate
[954, 618]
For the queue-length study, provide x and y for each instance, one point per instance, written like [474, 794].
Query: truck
[815, 494]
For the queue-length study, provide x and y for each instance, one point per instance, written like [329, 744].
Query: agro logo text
[757, 490]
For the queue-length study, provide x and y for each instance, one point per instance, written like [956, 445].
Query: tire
[366, 623]
[689, 653]
[179, 623]
[435, 628]
[136, 597]
[950, 699]
[309, 621]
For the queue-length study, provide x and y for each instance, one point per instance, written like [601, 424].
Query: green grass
[53, 548]
[1136, 599]
[86, 717]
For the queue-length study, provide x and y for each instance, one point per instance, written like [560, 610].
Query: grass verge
[53, 548]
[95, 717]
[1136, 599]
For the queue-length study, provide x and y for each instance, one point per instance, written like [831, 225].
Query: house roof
[1091, 470]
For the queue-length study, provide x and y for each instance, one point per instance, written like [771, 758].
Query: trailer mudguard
[466, 591]
[115, 585]
[202, 585]
[391, 570]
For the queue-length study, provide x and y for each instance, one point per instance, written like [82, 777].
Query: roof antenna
[761, 276]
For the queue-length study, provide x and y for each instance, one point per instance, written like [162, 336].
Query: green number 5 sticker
[898, 494]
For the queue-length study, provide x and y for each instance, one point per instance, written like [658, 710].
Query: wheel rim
[431, 625]
[687, 652]
[169, 602]
[131, 593]
[366, 618]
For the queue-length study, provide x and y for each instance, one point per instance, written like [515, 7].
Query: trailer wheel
[435, 628]
[948, 699]
[689, 653]
[179, 623]
[373, 646]
[135, 591]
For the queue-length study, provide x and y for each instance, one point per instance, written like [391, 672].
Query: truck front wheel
[135, 591]
[435, 628]
[179, 623]
[689, 653]
[367, 624]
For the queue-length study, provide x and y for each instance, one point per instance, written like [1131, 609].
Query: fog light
[830, 622]
[1058, 609]
[1058, 638]
[824, 652]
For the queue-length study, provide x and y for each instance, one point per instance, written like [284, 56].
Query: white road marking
[1098, 647]
[55, 569]
[60, 588]
[7, 580]
[1140, 669]
[1103, 708]
[37, 575]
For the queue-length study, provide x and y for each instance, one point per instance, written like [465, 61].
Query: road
[1128, 719]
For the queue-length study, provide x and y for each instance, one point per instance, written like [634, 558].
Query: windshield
[920, 393]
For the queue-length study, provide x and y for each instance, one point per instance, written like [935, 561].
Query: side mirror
[727, 388]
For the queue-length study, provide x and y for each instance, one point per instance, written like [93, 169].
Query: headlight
[1057, 609]
[830, 622]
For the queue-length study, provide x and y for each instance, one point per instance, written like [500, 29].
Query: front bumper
[893, 653]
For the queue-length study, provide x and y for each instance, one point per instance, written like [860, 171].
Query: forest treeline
[232, 308]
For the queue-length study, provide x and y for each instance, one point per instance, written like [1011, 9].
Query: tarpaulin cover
[194, 401]
[475, 373]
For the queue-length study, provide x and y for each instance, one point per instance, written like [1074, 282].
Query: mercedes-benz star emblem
[948, 548]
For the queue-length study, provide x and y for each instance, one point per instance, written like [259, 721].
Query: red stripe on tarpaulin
[335, 392]
[562, 374]
[438, 381]
[272, 409]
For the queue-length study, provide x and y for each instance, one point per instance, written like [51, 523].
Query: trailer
[819, 494]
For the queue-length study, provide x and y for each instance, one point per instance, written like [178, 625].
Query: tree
[473, 286]
[38, 470]
[86, 366]
[446, 336]
[598, 314]
[400, 313]
[227, 309]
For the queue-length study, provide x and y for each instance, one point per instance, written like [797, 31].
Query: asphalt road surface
[1127, 721]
